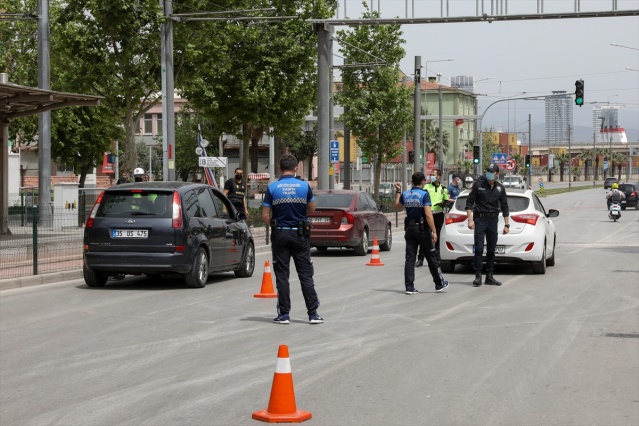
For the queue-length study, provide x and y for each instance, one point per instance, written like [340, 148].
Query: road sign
[334, 151]
[198, 150]
[212, 161]
[499, 158]
[510, 164]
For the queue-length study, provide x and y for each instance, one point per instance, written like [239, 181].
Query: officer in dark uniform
[419, 220]
[235, 190]
[486, 198]
[291, 199]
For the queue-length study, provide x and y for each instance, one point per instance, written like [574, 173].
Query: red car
[350, 219]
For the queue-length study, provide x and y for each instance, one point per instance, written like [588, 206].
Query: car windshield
[515, 203]
[128, 204]
[341, 201]
[384, 185]
[511, 179]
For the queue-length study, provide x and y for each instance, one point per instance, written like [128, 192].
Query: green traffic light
[579, 101]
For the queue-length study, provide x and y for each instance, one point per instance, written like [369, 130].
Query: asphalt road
[554, 349]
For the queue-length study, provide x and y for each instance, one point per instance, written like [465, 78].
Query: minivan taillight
[177, 211]
[94, 210]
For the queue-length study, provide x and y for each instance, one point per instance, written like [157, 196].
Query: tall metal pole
[347, 154]
[569, 158]
[4, 169]
[331, 105]
[530, 150]
[441, 133]
[168, 107]
[417, 109]
[44, 119]
[403, 175]
[323, 61]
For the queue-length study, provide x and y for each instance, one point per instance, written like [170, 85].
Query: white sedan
[531, 239]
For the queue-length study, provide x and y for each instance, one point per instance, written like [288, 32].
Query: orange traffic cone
[267, 283]
[375, 256]
[281, 405]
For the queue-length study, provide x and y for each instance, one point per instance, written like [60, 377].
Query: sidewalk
[75, 262]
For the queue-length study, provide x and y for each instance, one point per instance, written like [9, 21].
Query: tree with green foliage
[378, 106]
[586, 156]
[111, 49]
[618, 160]
[563, 159]
[251, 75]
[431, 138]
[303, 145]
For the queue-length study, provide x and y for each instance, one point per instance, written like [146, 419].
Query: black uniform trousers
[485, 227]
[438, 218]
[284, 244]
[414, 239]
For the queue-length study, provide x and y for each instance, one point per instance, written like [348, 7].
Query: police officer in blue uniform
[419, 220]
[486, 198]
[290, 200]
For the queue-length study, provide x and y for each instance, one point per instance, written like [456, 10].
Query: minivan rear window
[333, 200]
[139, 203]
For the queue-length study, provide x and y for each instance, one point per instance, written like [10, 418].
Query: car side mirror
[240, 216]
[553, 213]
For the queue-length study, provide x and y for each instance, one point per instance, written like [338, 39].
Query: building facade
[558, 117]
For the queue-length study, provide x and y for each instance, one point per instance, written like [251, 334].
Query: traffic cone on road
[267, 283]
[281, 405]
[375, 256]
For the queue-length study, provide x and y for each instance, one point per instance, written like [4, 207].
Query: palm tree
[586, 156]
[563, 159]
[521, 166]
[598, 152]
[431, 136]
[618, 159]
[465, 166]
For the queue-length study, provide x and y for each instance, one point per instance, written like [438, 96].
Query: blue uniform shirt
[453, 191]
[415, 199]
[288, 199]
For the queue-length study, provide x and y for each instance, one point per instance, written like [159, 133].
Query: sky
[534, 57]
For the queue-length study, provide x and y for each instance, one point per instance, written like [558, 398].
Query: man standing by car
[438, 198]
[453, 188]
[235, 190]
[291, 199]
[482, 207]
[418, 217]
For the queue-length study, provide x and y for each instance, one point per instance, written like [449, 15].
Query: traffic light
[476, 154]
[579, 92]
[411, 156]
[527, 160]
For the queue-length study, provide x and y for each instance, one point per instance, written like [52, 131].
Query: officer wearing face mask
[439, 198]
[235, 190]
[486, 199]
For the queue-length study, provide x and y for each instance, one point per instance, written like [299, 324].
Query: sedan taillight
[455, 218]
[348, 219]
[530, 219]
[94, 210]
[177, 211]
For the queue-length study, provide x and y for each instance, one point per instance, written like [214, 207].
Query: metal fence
[41, 243]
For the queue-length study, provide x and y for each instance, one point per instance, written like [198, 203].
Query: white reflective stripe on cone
[283, 366]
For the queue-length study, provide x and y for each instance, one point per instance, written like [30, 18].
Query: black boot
[490, 280]
[477, 282]
[420, 262]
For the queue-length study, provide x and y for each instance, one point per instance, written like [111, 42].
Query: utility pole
[417, 109]
[44, 118]
[168, 107]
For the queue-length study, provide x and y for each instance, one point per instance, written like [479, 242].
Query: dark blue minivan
[157, 228]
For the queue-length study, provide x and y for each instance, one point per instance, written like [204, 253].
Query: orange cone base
[265, 295]
[296, 417]
[374, 264]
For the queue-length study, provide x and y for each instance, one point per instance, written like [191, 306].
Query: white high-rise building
[558, 118]
[605, 125]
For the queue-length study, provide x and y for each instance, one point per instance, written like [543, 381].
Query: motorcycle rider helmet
[138, 172]
[615, 185]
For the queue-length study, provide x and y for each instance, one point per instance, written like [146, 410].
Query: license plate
[320, 219]
[615, 213]
[130, 233]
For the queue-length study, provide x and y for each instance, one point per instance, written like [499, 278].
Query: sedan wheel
[198, 275]
[388, 242]
[362, 248]
[248, 262]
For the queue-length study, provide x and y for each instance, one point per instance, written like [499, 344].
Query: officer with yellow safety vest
[438, 198]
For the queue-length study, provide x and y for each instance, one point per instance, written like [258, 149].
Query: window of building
[148, 124]
[158, 124]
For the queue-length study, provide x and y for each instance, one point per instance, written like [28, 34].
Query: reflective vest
[438, 195]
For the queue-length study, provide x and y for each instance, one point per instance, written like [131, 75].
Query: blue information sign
[499, 158]
[334, 151]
